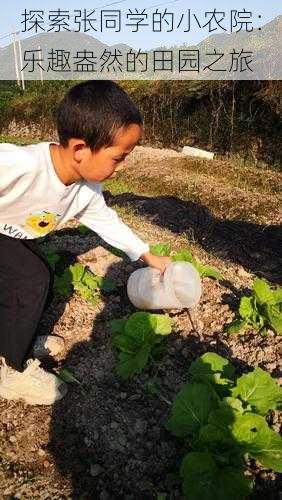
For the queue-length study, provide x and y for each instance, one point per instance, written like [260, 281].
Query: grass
[118, 187]
[236, 174]
[21, 141]
[228, 189]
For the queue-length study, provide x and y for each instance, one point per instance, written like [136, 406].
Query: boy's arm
[106, 223]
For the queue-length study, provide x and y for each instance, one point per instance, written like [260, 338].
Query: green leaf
[210, 272]
[86, 293]
[202, 479]
[223, 417]
[138, 325]
[141, 322]
[267, 450]
[161, 249]
[77, 272]
[161, 324]
[191, 409]
[233, 485]
[213, 369]
[68, 376]
[274, 314]
[233, 403]
[108, 285]
[83, 230]
[118, 325]
[199, 472]
[130, 365]
[246, 307]
[277, 294]
[184, 256]
[257, 320]
[124, 344]
[51, 256]
[63, 284]
[259, 390]
[263, 292]
[90, 280]
[94, 281]
[139, 337]
[252, 432]
[216, 438]
[210, 363]
[236, 326]
[88, 284]
[248, 432]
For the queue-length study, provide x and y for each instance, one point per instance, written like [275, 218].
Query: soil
[106, 439]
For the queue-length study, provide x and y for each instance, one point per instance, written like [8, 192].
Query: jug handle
[162, 278]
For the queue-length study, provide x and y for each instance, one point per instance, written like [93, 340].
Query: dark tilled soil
[106, 439]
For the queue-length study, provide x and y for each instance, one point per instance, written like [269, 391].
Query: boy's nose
[118, 168]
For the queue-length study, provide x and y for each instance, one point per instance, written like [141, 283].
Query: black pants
[25, 283]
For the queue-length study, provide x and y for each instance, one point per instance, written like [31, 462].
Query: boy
[41, 187]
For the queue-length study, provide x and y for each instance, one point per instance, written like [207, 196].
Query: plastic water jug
[179, 287]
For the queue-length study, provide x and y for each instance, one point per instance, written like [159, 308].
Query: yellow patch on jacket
[42, 222]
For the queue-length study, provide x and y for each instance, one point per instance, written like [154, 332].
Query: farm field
[107, 439]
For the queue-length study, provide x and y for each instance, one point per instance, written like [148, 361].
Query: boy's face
[96, 166]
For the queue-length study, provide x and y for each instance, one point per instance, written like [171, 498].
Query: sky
[11, 18]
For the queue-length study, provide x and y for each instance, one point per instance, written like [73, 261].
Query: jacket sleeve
[107, 224]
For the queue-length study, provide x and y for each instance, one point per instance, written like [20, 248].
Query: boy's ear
[79, 149]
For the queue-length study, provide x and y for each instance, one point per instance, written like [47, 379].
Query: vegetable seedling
[261, 310]
[224, 420]
[83, 281]
[51, 256]
[137, 338]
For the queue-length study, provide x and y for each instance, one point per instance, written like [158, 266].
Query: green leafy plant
[51, 256]
[83, 230]
[186, 256]
[223, 422]
[83, 281]
[161, 249]
[63, 283]
[138, 339]
[262, 310]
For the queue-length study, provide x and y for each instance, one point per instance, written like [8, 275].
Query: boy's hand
[155, 261]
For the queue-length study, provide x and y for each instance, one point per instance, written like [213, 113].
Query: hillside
[239, 118]
[266, 45]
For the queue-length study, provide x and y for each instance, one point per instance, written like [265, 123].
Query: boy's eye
[120, 158]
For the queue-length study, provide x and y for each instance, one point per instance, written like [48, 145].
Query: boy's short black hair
[94, 111]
